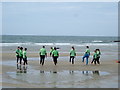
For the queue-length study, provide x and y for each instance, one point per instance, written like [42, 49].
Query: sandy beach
[73, 28]
[64, 74]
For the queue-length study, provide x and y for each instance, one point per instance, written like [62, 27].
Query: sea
[32, 40]
[33, 43]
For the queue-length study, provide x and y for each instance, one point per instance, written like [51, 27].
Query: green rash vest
[55, 53]
[98, 53]
[21, 53]
[17, 52]
[24, 54]
[42, 51]
[72, 53]
[95, 55]
[87, 51]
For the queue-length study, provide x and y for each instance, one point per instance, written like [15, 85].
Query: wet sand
[64, 74]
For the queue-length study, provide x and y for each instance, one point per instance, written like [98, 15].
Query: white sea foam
[14, 44]
[96, 44]
[61, 44]
[97, 41]
[43, 44]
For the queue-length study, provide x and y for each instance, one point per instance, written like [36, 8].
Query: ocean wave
[32, 44]
[62, 43]
[20, 44]
[43, 44]
[57, 44]
[13, 44]
[97, 41]
[96, 44]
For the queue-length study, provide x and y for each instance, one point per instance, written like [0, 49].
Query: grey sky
[60, 18]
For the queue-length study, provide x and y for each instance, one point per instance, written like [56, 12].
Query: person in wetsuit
[42, 54]
[17, 54]
[25, 56]
[72, 55]
[86, 55]
[55, 55]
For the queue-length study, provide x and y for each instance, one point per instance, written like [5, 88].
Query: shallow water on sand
[58, 79]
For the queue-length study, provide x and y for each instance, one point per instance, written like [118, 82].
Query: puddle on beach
[25, 74]
[56, 79]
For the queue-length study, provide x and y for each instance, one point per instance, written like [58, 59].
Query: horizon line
[57, 35]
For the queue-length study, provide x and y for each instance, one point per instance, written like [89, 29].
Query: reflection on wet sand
[96, 72]
[88, 72]
[21, 69]
[41, 71]
[71, 72]
[55, 72]
[85, 72]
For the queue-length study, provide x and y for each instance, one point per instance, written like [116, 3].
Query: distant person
[42, 53]
[98, 55]
[25, 56]
[55, 55]
[86, 55]
[51, 50]
[72, 55]
[21, 54]
[17, 54]
[94, 57]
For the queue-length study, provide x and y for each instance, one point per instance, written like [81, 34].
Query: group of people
[96, 56]
[21, 55]
[53, 52]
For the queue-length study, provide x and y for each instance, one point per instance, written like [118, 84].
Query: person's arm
[17, 52]
[50, 52]
[75, 53]
[94, 56]
[45, 53]
[70, 52]
[100, 53]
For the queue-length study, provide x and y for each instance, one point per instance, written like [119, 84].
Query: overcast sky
[60, 18]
